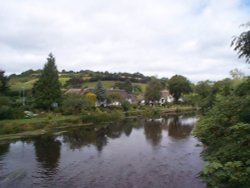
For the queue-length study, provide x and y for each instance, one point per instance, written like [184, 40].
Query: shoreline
[63, 122]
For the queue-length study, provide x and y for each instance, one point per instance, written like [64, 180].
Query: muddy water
[133, 153]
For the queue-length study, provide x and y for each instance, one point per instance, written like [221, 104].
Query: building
[166, 97]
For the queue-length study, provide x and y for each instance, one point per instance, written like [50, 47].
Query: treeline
[89, 76]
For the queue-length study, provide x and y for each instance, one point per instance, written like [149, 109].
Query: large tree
[241, 44]
[153, 90]
[178, 85]
[47, 90]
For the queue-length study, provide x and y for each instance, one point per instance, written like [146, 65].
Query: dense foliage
[153, 90]
[127, 86]
[47, 90]
[225, 130]
[178, 85]
[74, 82]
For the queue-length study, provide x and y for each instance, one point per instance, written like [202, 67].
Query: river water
[132, 153]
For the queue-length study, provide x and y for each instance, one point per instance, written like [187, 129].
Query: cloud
[163, 38]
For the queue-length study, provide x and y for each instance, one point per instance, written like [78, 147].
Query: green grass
[63, 80]
[143, 86]
[106, 84]
[23, 125]
[18, 84]
[110, 84]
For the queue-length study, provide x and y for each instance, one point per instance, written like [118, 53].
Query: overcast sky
[154, 37]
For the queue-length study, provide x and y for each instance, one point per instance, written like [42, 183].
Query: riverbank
[53, 122]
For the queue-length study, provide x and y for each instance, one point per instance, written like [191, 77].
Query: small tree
[153, 90]
[178, 85]
[91, 99]
[100, 92]
[47, 90]
[74, 82]
[127, 86]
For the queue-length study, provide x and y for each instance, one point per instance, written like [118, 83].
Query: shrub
[125, 106]
[100, 116]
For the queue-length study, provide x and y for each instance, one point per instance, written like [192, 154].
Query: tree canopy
[178, 85]
[241, 45]
[153, 90]
[127, 85]
[47, 90]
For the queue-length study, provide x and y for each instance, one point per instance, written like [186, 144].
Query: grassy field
[27, 84]
[17, 85]
[20, 84]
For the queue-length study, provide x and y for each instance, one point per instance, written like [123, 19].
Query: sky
[154, 37]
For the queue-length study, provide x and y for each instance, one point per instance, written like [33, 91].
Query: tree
[153, 90]
[179, 85]
[236, 74]
[74, 82]
[3, 82]
[127, 86]
[241, 45]
[47, 90]
[100, 92]
[90, 99]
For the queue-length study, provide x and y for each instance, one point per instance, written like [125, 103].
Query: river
[132, 153]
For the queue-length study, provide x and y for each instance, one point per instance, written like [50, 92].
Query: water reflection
[153, 132]
[79, 138]
[180, 127]
[47, 150]
[4, 148]
[109, 156]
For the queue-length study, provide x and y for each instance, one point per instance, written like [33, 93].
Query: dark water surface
[132, 153]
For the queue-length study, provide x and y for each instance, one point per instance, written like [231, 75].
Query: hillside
[27, 79]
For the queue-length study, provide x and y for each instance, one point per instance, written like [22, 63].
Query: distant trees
[179, 85]
[241, 44]
[74, 82]
[47, 90]
[127, 86]
[236, 74]
[153, 90]
[3, 82]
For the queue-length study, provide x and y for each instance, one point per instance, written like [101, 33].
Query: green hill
[27, 79]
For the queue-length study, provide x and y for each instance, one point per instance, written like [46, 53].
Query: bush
[125, 106]
[100, 116]
[225, 130]
[9, 110]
